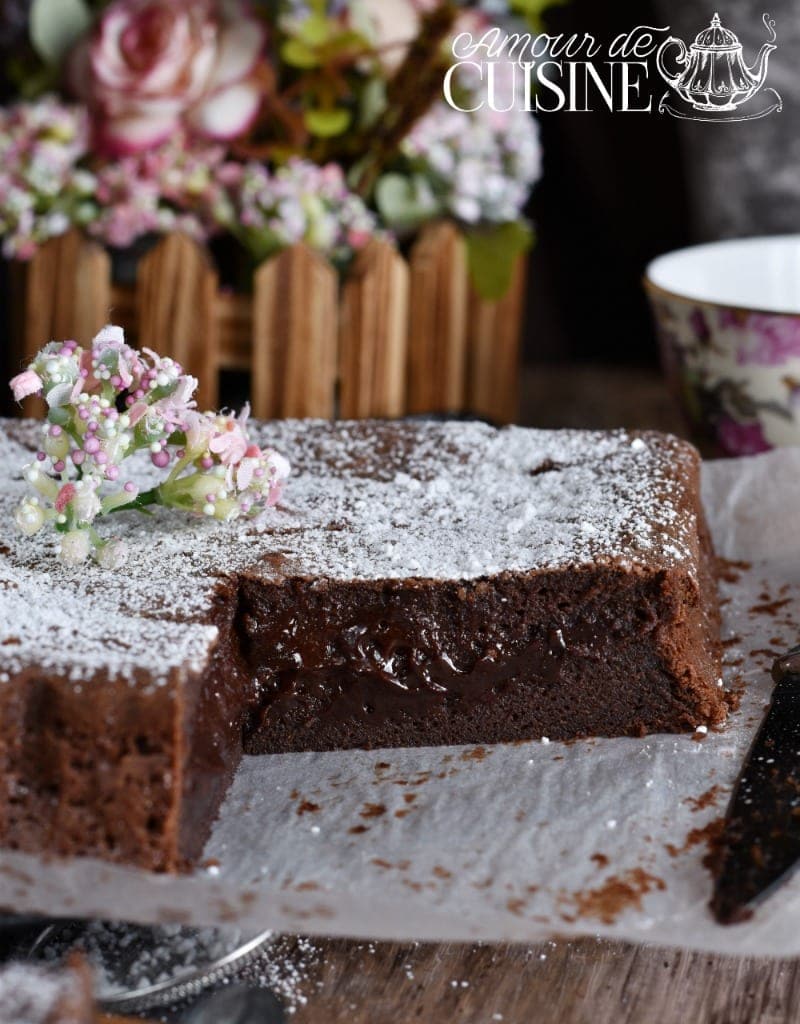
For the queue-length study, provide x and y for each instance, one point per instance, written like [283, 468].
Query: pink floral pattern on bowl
[735, 373]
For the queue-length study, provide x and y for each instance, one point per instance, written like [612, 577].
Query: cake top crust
[365, 501]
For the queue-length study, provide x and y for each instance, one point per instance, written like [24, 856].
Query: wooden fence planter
[398, 336]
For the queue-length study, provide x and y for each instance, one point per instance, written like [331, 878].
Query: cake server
[760, 844]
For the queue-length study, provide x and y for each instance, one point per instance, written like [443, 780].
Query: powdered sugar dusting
[365, 501]
[33, 995]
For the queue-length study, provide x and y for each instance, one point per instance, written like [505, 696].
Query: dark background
[612, 197]
[619, 189]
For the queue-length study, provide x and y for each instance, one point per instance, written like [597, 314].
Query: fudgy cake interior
[421, 584]
[425, 663]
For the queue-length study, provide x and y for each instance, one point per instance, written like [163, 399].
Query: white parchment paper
[500, 843]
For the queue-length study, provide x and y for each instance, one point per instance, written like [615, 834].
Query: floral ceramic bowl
[728, 319]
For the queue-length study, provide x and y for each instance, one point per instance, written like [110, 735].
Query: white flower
[75, 547]
[85, 503]
[480, 166]
[113, 554]
[56, 443]
[29, 517]
[392, 25]
[199, 431]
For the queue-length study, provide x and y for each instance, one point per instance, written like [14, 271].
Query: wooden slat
[438, 321]
[176, 299]
[63, 292]
[493, 339]
[294, 335]
[373, 334]
[234, 318]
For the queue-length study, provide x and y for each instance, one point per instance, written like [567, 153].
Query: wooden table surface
[584, 982]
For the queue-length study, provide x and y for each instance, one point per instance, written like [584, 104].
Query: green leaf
[58, 416]
[373, 102]
[56, 25]
[298, 55]
[347, 41]
[405, 203]
[492, 253]
[327, 123]
[532, 10]
[315, 30]
[261, 243]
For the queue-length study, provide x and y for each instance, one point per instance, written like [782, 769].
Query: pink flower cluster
[174, 187]
[109, 402]
[300, 202]
[43, 189]
[46, 187]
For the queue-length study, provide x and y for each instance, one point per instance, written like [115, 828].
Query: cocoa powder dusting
[770, 607]
[710, 835]
[733, 695]
[617, 894]
[476, 754]
[373, 810]
[731, 571]
[707, 799]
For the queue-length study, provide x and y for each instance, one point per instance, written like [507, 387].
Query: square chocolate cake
[420, 584]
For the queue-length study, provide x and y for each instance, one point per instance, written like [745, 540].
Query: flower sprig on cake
[108, 402]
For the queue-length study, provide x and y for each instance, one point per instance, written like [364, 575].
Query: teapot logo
[712, 81]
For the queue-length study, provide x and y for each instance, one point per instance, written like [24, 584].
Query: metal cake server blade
[760, 845]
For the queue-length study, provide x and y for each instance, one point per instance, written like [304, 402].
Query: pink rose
[151, 67]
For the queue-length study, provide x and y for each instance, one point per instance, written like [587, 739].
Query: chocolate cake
[31, 994]
[420, 584]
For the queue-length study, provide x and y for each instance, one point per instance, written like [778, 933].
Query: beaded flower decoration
[105, 404]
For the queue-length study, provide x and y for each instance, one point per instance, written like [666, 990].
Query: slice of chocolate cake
[421, 584]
